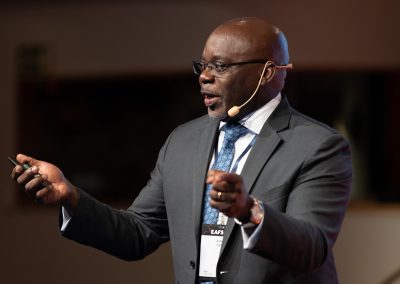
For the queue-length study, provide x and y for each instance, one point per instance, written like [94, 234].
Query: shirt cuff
[66, 217]
[250, 238]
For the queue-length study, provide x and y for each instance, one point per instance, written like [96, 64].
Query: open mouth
[210, 99]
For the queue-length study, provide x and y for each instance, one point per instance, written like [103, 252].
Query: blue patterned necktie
[223, 161]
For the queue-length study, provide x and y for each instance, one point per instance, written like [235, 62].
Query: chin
[217, 115]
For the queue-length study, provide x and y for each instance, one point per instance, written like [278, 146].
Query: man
[277, 191]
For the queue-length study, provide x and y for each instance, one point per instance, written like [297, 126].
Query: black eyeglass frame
[199, 66]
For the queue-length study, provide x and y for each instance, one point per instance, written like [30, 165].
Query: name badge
[211, 242]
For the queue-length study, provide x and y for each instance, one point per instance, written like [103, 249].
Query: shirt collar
[256, 120]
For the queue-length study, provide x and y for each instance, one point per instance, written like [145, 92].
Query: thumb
[22, 159]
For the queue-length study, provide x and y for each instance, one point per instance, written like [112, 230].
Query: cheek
[237, 91]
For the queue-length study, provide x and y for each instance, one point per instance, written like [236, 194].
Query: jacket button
[192, 264]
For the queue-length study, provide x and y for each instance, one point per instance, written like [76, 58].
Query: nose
[206, 77]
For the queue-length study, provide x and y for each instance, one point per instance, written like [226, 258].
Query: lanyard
[235, 166]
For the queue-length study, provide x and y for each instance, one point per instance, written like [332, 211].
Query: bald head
[258, 37]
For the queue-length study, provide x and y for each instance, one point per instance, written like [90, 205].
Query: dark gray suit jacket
[299, 168]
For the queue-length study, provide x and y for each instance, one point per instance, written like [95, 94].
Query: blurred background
[80, 79]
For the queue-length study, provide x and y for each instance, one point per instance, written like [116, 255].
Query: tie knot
[234, 131]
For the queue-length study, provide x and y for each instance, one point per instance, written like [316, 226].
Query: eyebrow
[216, 58]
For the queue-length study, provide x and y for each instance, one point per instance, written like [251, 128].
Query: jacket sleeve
[127, 234]
[302, 235]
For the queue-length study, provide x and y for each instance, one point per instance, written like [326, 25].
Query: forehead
[231, 44]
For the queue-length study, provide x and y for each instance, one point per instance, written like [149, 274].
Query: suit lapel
[207, 137]
[267, 142]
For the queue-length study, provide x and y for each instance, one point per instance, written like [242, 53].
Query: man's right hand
[45, 183]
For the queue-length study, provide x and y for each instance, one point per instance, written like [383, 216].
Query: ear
[268, 74]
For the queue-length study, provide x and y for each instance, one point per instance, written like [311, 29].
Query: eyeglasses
[199, 66]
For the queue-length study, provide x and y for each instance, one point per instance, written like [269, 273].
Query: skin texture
[238, 40]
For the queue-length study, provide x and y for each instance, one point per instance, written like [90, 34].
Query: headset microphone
[233, 111]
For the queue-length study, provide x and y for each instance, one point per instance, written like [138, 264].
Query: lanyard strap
[251, 144]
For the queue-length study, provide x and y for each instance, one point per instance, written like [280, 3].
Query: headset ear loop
[287, 66]
[236, 109]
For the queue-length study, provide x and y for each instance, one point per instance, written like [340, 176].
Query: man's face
[234, 86]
